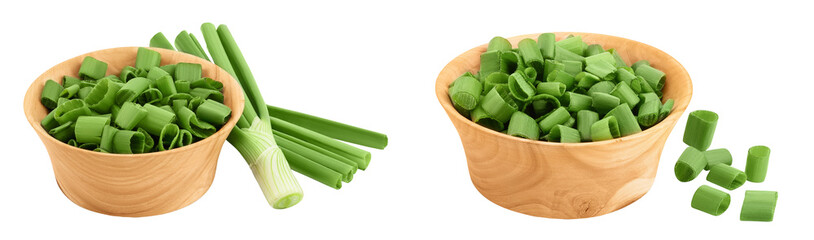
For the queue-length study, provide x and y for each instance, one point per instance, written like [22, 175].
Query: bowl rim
[238, 105]
[442, 93]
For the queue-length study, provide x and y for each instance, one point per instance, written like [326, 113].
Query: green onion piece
[564, 134]
[159, 41]
[207, 83]
[558, 116]
[166, 85]
[361, 157]
[147, 59]
[757, 163]
[169, 68]
[666, 108]
[510, 62]
[312, 169]
[499, 44]
[602, 69]
[346, 170]
[541, 104]
[131, 90]
[62, 100]
[585, 119]
[149, 142]
[531, 54]
[84, 92]
[521, 125]
[69, 92]
[572, 67]
[70, 110]
[586, 80]
[156, 119]
[700, 129]
[195, 102]
[489, 63]
[198, 46]
[717, 156]
[72, 142]
[573, 44]
[156, 72]
[576, 101]
[547, 44]
[106, 143]
[605, 129]
[89, 128]
[114, 111]
[465, 92]
[151, 95]
[189, 121]
[639, 63]
[63, 132]
[498, 105]
[88, 146]
[619, 61]
[550, 66]
[128, 142]
[184, 138]
[556, 89]
[601, 87]
[644, 97]
[570, 123]
[182, 86]
[759, 206]
[519, 87]
[68, 81]
[168, 138]
[625, 75]
[562, 54]
[690, 164]
[710, 200]
[318, 149]
[50, 94]
[725, 176]
[128, 72]
[130, 115]
[204, 93]
[187, 71]
[603, 102]
[184, 43]
[561, 76]
[336, 130]
[653, 76]
[103, 96]
[49, 122]
[605, 57]
[92, 68]
[636, 84]
[494, 79]
[141, 72]
[531, 74]
[593, 49]
[649, 113]
[627, 121]
[625, 94]
[213, 112]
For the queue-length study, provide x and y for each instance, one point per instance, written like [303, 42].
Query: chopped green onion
[586, 80]
[92, 68]
[499, 105]
[562, 54]
[585, 119]
[547, 44]
[625, 75]
[69, 92]
[489, 63]
[159, 41]
[521, 125]
[558, 116]
[331, 129]
[725, 176]
[555, 89]
[700, 129]
[189, 121]
[166, 85]
[207, 83]
[577, 102]
[187, 71]
[627, 121]
[541, 104]
[605, 129]
[169, 136]
[593, 49]
[131, 90]
[213, 112]
[639, 63]
[573, 44]
[550, 66]
[108, 133]
[759, 206]
[710, 200]
[572, 67]
[666, 108]
[103, 96]
[204, 93]
[601, 69]
[494, 79]
[518, 86]
[717, 156]
[649, 113]
[602, 87]
[570, 123]
[147, 59]
[499, 44]
[156, 72]
[63, 132]
[149, 142]
[130, 115]
[128, 142]
[184, 138]
[603, 102]
[531, 74]
[625, 94]
[50, 94]
[182, 86]
[510, 62]
[68, 81]
[563, 134]
[465, 92]
[532, 56]
[562, 77]
[128, 72]
[89, 128]
[690, 164]
[48, 122]
[156, 119]
[151, 95]
[757, 163]
[644, 97]
[653, 76]
[619, 61]
[169, 68]
[70, 110]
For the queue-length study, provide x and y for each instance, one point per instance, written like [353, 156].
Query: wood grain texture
[566, 180]
[133, 185]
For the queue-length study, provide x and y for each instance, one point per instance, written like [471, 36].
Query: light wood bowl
[133, 185]
[566, 180]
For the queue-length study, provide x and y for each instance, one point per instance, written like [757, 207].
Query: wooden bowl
[133, 185]
[566, 180]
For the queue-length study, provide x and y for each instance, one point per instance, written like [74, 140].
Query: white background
[374, 64]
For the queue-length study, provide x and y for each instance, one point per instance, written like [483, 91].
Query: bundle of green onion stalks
[274, 140]
[560, 91]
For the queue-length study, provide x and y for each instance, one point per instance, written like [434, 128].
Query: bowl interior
[117, 58]
[678, 85]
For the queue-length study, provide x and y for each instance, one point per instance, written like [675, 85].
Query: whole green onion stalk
[252, 136]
